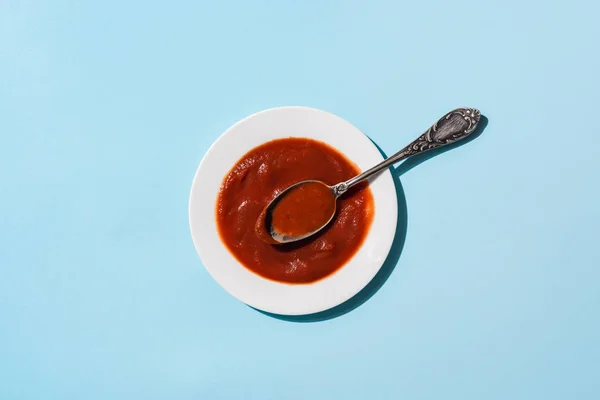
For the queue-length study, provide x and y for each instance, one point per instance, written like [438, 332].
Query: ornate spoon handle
[454, 126]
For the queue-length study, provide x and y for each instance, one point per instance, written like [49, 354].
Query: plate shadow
[399, 238]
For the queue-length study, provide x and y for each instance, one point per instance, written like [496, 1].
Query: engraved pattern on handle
[455, 125]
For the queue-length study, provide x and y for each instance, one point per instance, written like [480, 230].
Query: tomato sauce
[266, 171]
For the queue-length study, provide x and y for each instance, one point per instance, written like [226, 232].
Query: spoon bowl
[299, 211]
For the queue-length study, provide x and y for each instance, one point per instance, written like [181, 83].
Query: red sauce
[303, 209]
[264, 172]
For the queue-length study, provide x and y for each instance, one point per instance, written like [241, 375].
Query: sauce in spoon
[303, 209]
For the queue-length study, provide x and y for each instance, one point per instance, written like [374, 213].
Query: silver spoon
[456, 125]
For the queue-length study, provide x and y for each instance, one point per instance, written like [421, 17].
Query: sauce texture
[266, 171]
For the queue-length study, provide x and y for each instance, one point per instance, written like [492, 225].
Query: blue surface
[106, 110]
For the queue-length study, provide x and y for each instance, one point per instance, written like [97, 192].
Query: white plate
[261, 293]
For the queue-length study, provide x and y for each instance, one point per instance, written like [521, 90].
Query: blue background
[107, 107]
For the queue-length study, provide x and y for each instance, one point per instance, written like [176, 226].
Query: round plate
[261, 293]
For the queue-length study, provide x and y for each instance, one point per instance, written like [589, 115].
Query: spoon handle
[456, 125]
